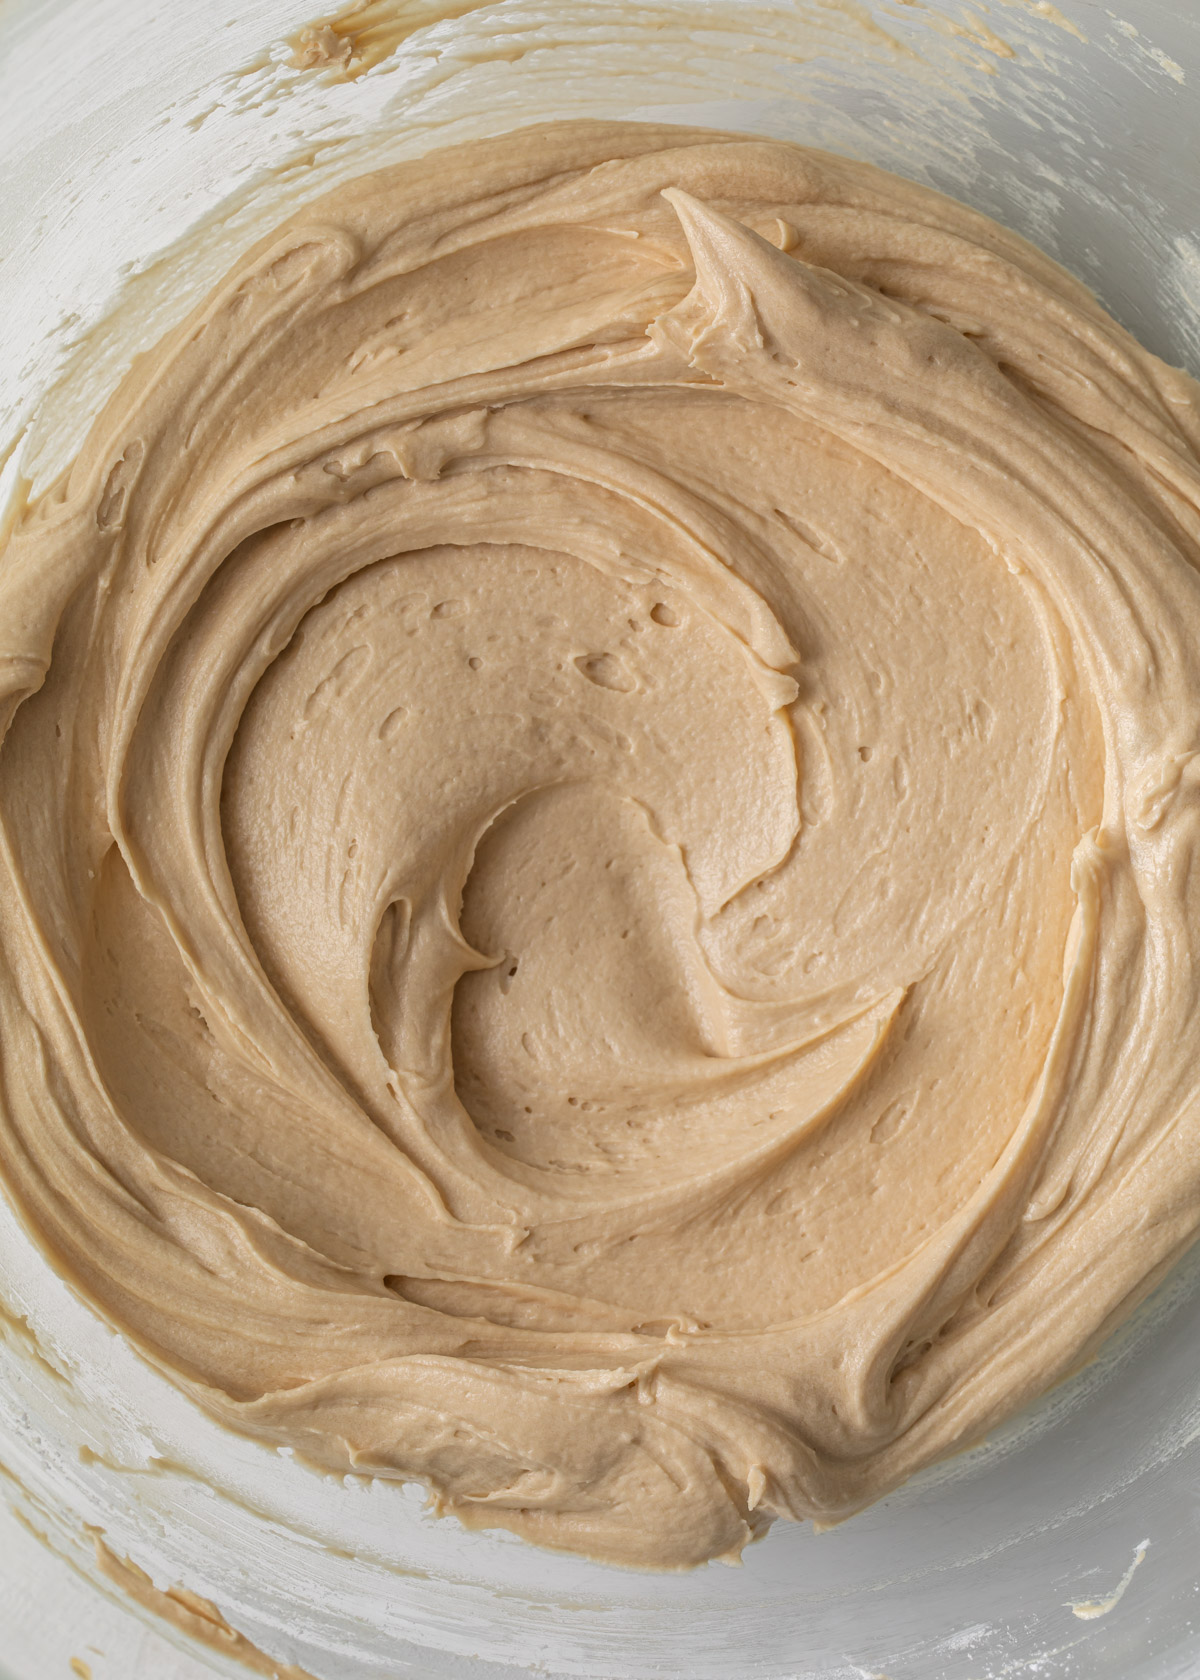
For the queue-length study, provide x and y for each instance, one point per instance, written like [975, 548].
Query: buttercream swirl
[599, 821]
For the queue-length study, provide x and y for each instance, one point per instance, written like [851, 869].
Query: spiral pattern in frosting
[599, 825]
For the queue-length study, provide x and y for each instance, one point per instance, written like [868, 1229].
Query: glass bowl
[143, 146]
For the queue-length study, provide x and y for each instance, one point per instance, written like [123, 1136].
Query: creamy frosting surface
[599, 819]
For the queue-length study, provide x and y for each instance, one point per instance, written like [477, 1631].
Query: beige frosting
[198, 1617]
[599, 824]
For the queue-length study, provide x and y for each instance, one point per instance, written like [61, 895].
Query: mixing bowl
[143, 146]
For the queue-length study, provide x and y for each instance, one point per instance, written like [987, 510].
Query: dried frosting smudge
[598, 826]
